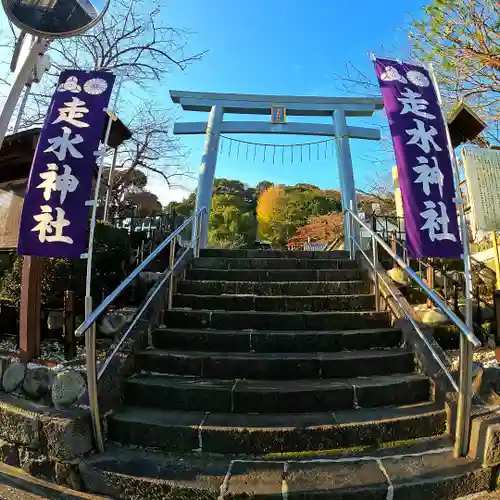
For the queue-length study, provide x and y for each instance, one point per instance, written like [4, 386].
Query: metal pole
[349, 243]
[197, 241]
[90, 334]
[462, 434]
[90, 337]
[375, 274]
[17, 87]
[96, 199]
[110, 186]
[22, 106]
[93, 219]
[171, 267]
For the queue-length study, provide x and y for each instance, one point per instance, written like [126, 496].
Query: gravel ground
[485, 356]
[482, 496]
[52, 350]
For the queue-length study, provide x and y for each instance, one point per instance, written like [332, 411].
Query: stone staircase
[275, 377]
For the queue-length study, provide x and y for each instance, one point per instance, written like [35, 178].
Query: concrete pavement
[17, 485]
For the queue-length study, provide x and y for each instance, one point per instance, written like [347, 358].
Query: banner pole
[88, 281]
[91, 333]
[465, 384]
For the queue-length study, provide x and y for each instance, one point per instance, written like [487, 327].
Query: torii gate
[220, 104]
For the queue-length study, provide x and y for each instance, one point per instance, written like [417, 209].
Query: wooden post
[430, 280]
[394, 246]
[496, 303]
[478, 315]
[497, 258]
[455, 298]
[29, 313]
[69, 325]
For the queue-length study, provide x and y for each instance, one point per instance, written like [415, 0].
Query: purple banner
[424, 164]
[55, 218]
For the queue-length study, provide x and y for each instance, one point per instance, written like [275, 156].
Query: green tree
[282, 209]
[232, 215]
[461, 38]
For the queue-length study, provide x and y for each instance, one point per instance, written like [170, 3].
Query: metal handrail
[464, 388]
[443, 272]
[89, 325]
[429, 291]
[138, 315]
[126, 282]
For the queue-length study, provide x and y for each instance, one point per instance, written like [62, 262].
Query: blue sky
[287, 47]
[291, 47]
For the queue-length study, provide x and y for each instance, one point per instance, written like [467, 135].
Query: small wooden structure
[16, 157]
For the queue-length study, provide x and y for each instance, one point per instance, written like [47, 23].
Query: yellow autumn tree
[272, 217]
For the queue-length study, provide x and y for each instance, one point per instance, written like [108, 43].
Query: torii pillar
[346, 172]
[207, 169]
[252, 104]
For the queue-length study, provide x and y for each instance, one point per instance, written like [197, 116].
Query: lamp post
[64, 19]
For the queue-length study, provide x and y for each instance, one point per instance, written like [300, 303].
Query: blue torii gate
[220, 104]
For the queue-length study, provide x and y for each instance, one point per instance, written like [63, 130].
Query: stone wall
[45, 443]
[56, 386]
[45, 428]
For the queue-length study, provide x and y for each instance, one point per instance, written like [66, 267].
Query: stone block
[434, 317]
[67, 388]
[9, 453]
[17, 423]
[38, 382]
[67, 438]
[492, 446]
[68, 475]
[55, 321]
[485, 439]
[13, 376]
[36, 464]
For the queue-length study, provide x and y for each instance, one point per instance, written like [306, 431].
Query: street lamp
[46, 20]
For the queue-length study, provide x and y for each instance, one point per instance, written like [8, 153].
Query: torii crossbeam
[220, 104]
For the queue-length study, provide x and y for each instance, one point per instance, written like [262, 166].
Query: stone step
[284, 303]
[244, 320]
[259, 263]
[273, 288]
[272, 254]
[274, 275]
[279, 433]
[137, 474]
[277, 366]
[275, 341]
[275, 396]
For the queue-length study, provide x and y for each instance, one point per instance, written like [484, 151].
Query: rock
[4, 364]
[13, 376]
[9, 454]
[477, 368]
[112, 323]
[149, 277]
[55, 321]
[398, 276]
[36, 464]
[38, 381]
[434, 317]
[485, 313]
[67, 388]
[68, 475]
